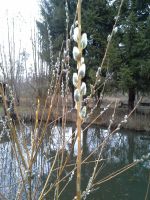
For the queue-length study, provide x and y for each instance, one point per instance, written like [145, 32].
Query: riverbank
[138, 121]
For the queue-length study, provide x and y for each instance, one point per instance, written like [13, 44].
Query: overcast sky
[23, 12]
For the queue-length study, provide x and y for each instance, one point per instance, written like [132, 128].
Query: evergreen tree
[97, 21]
[130, 52]
[52, 27]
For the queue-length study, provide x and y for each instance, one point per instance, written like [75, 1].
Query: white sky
[26, 7]
[24, 13]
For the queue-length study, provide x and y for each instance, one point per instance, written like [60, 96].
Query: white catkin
[84, 40]
[82, 70]
[76, 34]
[83, 88]
[75, 79]
[82, 60]
[83, 112]
[76, 53]
[76, 95]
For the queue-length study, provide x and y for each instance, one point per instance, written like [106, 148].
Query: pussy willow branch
[48, 177]
[14, 139]
[12, 128]
[110, 39]
[22, 131]
[79, 107]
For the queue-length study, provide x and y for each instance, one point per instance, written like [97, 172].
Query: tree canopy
[97, 21]
[129, 55]
[130, 52]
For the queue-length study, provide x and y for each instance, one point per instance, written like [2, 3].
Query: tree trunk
[131, 147]
[131, 98]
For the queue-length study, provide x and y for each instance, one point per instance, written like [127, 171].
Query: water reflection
[119, 150]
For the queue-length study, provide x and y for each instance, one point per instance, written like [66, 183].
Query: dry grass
[139, 121]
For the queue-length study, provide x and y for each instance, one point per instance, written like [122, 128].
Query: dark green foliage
[97, 21]
[129, 57]
[53, 23]
[130, 52]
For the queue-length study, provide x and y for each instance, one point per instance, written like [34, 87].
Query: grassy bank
[138, 121]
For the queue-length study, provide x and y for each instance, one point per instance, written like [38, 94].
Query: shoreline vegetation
[139, 120]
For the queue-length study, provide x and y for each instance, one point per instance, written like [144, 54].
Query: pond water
[119, 150]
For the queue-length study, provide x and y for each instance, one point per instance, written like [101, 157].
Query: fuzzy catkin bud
[84, 40]
[76, 34]
[115, 30]
[83, 88]
[75, 79]
[76, 95]
[82, 60]
[76, 23]
[76, 53]
[108, 38]
[81, 71]
[83, 112]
